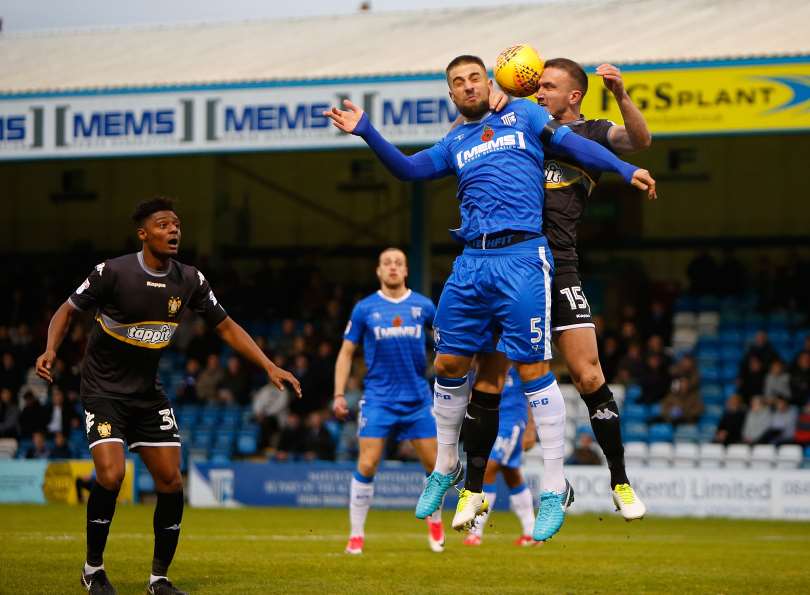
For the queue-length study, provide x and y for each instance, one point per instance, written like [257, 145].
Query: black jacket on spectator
[732, 423]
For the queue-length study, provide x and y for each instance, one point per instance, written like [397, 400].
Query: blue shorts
[501, 290]
[508, 448]
[378, 420]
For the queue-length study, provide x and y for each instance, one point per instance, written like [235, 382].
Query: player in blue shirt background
[500, 285]
[397, 401]
[516, 433]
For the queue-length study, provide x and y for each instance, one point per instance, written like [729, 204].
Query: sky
[20, 16]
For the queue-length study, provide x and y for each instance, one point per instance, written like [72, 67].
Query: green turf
[300, 551]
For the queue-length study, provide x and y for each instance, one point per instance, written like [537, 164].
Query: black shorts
[136, 422]
[569, 306]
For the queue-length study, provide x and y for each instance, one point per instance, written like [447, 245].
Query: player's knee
[532, 371]
[170, 482]
[450, 367]
[588, 378]
[110, 477]
[367, 467]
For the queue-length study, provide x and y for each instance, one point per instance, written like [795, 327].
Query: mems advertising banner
[731, 97]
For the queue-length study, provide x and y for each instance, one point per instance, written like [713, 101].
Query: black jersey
[137, 311]
[568, 186]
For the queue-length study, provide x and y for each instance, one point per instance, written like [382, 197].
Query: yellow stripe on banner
[745, 98]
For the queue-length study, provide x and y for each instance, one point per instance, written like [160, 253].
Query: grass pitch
[300, 551]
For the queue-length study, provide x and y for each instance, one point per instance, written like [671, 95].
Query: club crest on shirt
[105, 429]
[416, 312]
[509, 119]
[174, 306]
[488, 134]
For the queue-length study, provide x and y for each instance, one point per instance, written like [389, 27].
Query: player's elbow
[644, 142]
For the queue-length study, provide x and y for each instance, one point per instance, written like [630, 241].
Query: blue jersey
[514, 407]
[393, 336]
[499, 164]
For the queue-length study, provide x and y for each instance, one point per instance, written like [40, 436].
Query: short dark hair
[151, 206]
[574, 70]
[464, 59]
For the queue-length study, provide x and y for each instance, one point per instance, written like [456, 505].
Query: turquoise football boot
[551, 514]
[436, 486]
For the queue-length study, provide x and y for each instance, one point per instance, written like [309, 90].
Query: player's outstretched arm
[235, 336]
[634, 135]
[57, 329]
[592, 154]
[343, 366]
[419, 166]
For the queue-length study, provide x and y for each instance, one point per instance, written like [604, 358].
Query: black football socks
[480, 429]
[604, 414]
[100, 511]
[166, 522]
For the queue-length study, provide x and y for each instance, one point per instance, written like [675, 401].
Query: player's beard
[474, 112]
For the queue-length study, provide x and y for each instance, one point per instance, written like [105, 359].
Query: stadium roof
[400, 43]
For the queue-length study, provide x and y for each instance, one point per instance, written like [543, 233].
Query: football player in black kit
[137, 301]
[568, 186]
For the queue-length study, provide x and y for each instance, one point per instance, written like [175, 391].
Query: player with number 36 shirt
[137, 301]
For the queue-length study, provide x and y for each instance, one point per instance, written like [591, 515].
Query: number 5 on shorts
[537, 332]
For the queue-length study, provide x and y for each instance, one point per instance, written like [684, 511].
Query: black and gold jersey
[568, 186]
[137, 311]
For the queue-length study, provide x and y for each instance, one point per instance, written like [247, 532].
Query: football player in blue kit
[506, 457]
[499, 285]
[397, 401]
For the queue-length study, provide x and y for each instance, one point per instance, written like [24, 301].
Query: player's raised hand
[44, 363]
[278, 377]
[345, 120]
[612, 78]
[498, 100]
[643, 180]
[340, 407]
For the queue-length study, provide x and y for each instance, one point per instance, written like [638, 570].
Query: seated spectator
[609, 356]
[187, 391]
[659, 321]
[757, 421]
[39, 449]
[655, 380]
[59, 416]
[291, 441]
[729, 429]
[777, 381]
[802, 435]
[9, 415]
[10, 373]
[751, 381]
[32, 416]
[269, 410]
[237, 380]
[783, 423]
[585, 452]
[683, 403]
[800, 380]
[655, 344]
[318, 443]
[210, 379]
[60, 448]
[631, 365]
[762, 348]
